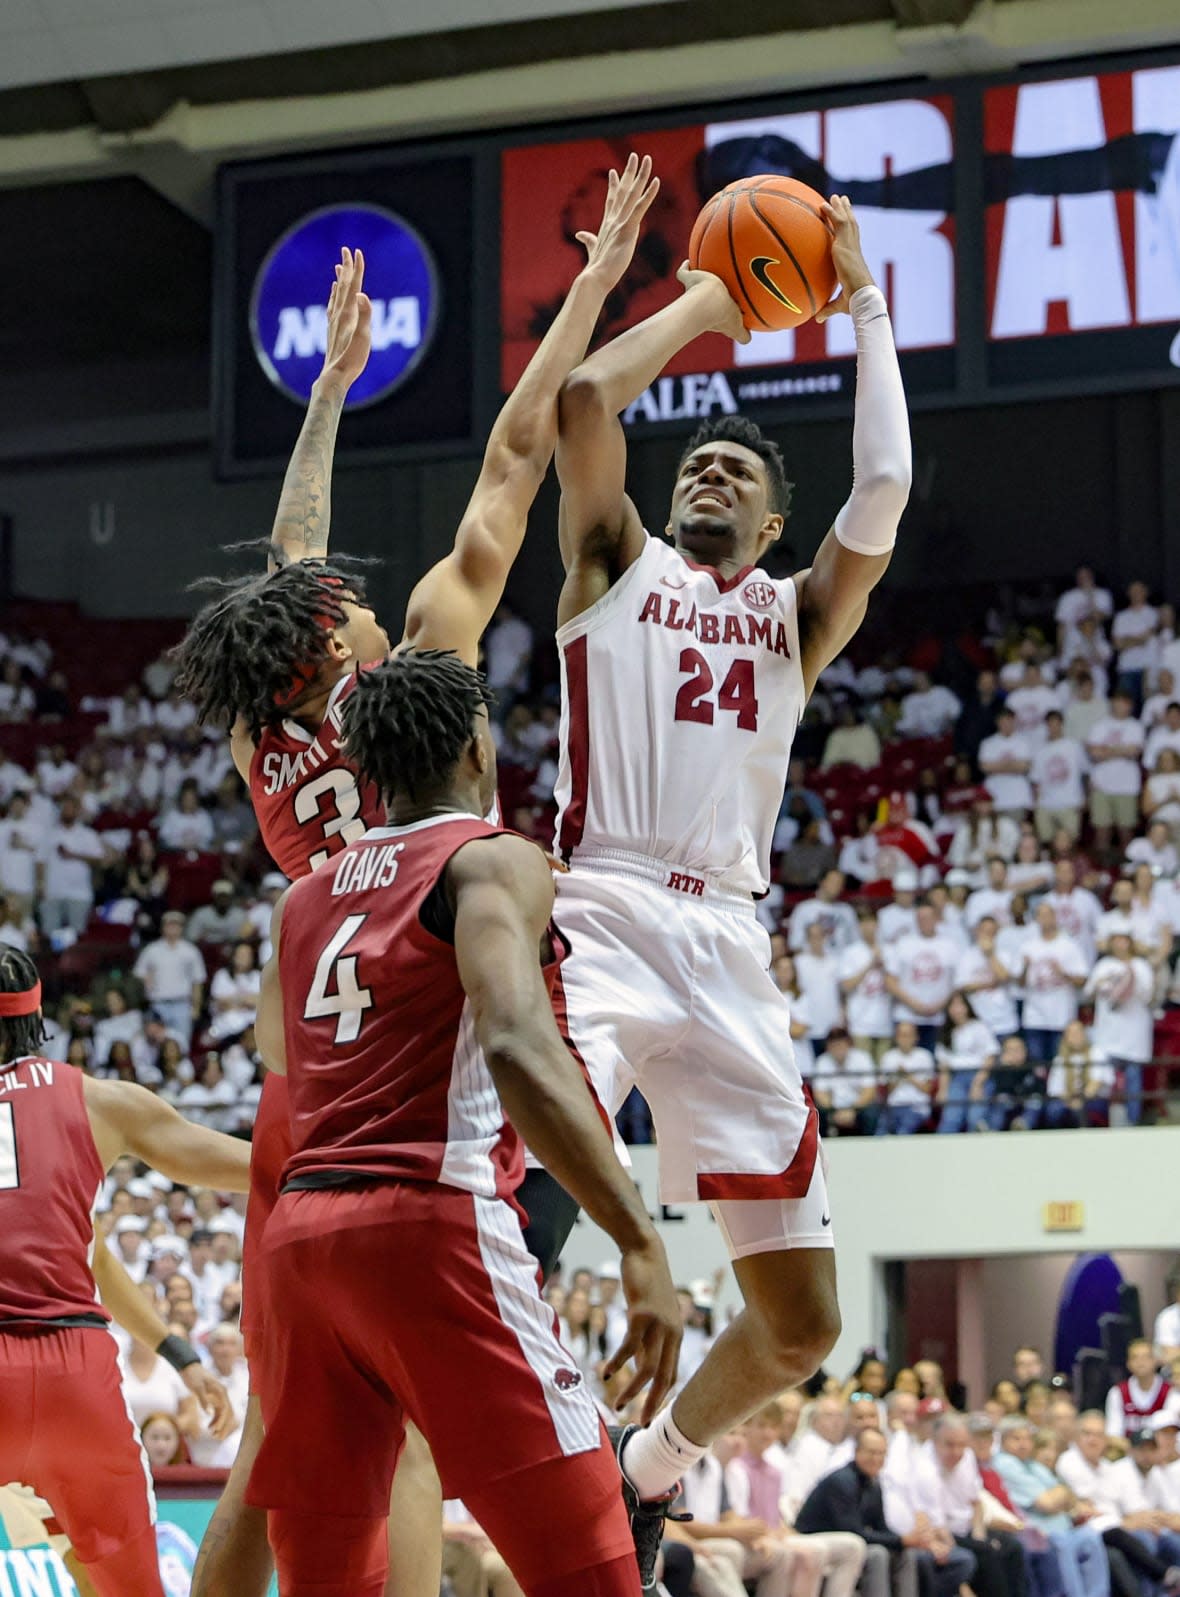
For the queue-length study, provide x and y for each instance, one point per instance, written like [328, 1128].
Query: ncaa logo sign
[289, 305]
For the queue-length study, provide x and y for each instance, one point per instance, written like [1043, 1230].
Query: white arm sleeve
[881, 462]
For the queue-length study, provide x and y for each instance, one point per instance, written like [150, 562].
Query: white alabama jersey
[681, 694]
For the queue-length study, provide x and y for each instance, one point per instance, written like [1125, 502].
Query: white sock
[655, 1458]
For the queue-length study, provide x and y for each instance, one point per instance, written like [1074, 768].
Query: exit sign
[1064, 1217]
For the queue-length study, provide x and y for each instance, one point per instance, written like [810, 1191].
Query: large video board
[894, 158]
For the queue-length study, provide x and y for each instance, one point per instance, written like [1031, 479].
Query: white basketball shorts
[668, 988]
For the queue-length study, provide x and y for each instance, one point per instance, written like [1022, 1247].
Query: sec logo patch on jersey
[760, 595]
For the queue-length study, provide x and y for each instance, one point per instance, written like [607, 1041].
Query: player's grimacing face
[721, 503]
[362, 634]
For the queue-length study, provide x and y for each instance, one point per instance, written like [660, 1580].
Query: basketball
[767, 240]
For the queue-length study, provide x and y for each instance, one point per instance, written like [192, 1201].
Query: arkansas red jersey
[307, 798]
[50, 1176]
[385, 1077]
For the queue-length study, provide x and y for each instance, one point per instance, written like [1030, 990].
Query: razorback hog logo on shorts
[566, 1380]
[759, 594]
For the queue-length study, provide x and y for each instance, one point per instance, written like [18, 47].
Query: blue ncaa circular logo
[289, 305]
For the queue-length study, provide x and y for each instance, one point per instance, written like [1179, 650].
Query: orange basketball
[766, 238]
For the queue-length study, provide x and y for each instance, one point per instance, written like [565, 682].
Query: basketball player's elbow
[583, 399]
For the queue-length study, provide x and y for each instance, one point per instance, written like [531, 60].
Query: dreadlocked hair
[247, 653]
[19, 1034]
[407, 721]
[741, 430]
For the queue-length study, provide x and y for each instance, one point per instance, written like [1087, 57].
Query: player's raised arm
[452, 605]
[130, 1119]
[600, 529]
[852, 559]
[302, 521]
[128, 1306]
[503, 892]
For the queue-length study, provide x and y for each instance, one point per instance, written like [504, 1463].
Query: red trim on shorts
[573, 819]
[724, 584]
[562, 1017]
[793, 1182]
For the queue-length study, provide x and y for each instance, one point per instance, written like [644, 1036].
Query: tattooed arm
[305, 505]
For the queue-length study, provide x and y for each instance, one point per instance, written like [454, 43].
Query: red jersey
[385, 1077]
[50, 1177]
[306, 796]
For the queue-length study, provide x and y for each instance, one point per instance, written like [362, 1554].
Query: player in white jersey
[686, 670]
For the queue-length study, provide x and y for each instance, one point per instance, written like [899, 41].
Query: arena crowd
[974, 911]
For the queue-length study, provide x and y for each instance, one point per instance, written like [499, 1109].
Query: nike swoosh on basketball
[760, 266]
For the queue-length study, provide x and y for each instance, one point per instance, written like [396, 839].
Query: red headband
[21, 1003]
[305, 674]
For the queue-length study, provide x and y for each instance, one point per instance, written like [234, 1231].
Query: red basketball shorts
[66, 1431]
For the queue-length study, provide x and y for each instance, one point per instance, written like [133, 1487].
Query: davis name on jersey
[682, 690]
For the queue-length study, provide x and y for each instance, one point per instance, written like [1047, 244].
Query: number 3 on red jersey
[337, 969]
[345, 824]
[736, 693]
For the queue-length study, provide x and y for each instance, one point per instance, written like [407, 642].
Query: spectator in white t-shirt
[965, 1057]
[1084, 599]
[867, 1004]
[900, 918]
[844, 1085]
[1155, 708]
[1153, 912]
[22, 842]
[1031, 871]
[1081, 1079]
[984, 975]
[227, 1356]
[17, 700]
[1132, 632]
[929, 711]
[1078, 911]
[909, 1073]
[173, 974]
[1057, 772]
[1115, 746]
[1164, 736]
[211, 1100]
[817, 969]
[1160, 799]
[1156, 850]
[186, 826]
[153, 1387]
[1121, 985]
[233, 994]
[1054, 969]
[920, 975]
[68, 856]
[508, 649]
[1005, 759]
[55, 772]
[1166, 1331]
[980, 834]
[1031, 703]
[1086, 707]
[837, 919]
[994, 900]
[1088, 650]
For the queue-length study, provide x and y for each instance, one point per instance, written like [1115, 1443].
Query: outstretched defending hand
[654, 1330]
[628, 198]
[211, 1395]
[852, 272]
[728, 318]
[350, 315]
